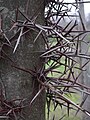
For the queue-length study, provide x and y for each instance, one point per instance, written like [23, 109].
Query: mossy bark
[19, 84]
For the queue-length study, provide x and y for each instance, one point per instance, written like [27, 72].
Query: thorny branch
[61, 51]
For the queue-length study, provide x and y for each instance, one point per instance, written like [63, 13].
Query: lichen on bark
[18, 84]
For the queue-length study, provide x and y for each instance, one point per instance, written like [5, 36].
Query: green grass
[60, 112]
[61, 68]
[74, 97]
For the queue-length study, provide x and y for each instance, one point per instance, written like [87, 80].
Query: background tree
[85, 50]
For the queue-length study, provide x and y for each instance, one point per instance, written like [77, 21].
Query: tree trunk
[19, 84]
[85, 76]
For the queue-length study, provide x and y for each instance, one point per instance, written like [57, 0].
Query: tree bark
[18, 84]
